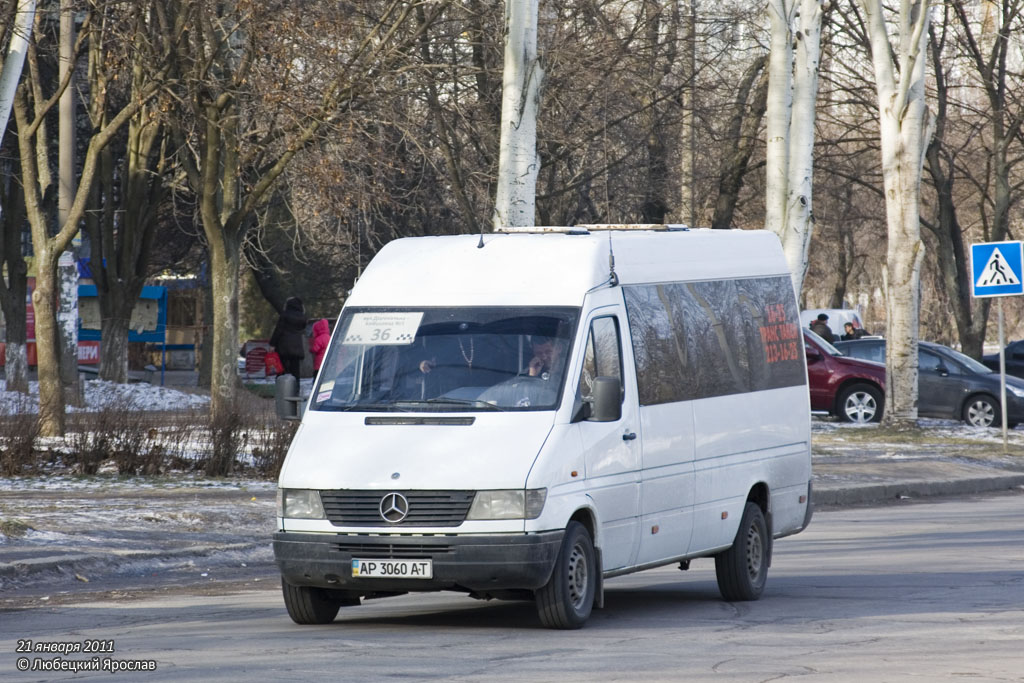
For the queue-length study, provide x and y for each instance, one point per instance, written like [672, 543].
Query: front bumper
[475, 564]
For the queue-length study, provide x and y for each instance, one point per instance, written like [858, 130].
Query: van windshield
[447, 359]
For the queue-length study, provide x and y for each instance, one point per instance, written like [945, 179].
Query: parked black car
[1014, 354]
[952, 385]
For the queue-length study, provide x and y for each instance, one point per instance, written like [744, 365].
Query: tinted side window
[928, 361]
[869, 351]
[602, 357]
[714, 338]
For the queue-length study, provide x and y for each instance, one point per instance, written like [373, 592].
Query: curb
[77, 563]
[881, 493]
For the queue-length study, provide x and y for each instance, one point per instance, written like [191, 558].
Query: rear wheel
[981, 411]
[742, 570]
[568, 597]
[309, 605]
[860, 404]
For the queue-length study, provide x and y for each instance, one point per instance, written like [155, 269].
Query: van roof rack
[595, 227]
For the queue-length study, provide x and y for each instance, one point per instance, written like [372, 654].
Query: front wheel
[981, 411]
[742, 570]
[860, 404]
[310, 605]
[567, 599]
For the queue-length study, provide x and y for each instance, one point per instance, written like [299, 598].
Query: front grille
[426, 508]
[390, 550]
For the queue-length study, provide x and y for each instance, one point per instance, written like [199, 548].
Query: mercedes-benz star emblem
[394, 507]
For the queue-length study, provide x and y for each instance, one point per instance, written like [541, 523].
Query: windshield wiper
[359, 407]
[471, 402]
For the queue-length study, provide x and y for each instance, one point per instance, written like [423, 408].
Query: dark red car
[849, 388]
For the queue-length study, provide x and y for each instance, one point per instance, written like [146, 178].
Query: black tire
[742, 570]
[982, 410]
[309, 605]
[860, 404]
[567, 599]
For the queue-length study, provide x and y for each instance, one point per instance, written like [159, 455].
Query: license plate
[392, 569]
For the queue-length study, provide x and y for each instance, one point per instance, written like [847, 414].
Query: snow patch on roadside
[100, 394]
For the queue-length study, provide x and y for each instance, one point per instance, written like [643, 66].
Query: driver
[547, 356]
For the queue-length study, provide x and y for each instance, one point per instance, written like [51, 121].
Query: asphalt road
[930, 591]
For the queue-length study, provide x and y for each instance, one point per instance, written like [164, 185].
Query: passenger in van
[852, 332]
[820, 327]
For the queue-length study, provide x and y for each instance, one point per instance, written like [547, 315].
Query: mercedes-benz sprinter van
[522, 415]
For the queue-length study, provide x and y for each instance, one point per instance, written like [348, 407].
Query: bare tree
[49, 238]
[792, 93]
[132, 183]
[272, 54]
[904, 120]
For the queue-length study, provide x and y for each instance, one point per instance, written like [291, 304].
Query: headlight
[514, 504]
[299, 504]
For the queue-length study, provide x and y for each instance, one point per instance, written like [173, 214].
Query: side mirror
[607, 399]
[812, 354]
[286, 397]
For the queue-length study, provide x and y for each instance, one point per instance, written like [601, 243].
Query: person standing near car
[318, 342]
[288, 337]
[852, 332]
[820, 327]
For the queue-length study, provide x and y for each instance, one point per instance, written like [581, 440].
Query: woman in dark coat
[288, 338]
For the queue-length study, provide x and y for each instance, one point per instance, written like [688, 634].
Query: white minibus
[525, 414]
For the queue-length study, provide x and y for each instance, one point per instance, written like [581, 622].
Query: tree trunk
[15, 350]
[799, 222]
[13, 283]
[67, 302]
[688, 126]
[116, 314]
[654, 207]
[778, 112]
[224, 271]
[904, 135]
[748, 111]
[518, 163]
[51, 390]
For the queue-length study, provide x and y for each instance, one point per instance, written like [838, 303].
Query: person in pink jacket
[318, 341]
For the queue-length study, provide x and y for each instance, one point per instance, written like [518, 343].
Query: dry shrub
[18, 433]
[270, 446]
[118, 433]
[227, 438]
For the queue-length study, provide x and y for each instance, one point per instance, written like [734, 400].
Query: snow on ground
[100, 394]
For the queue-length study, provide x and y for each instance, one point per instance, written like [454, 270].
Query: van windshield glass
[446, 359]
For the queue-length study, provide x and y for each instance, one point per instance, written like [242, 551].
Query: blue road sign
[997, 269]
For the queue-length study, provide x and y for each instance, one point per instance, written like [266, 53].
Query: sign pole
[997, 270]
[1002, 375]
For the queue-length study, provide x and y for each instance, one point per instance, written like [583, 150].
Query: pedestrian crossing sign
[996, 269]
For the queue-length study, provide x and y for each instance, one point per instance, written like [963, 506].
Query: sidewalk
[192, 530]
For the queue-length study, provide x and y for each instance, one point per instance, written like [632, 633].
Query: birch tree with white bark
[13, 284]
[792, 91]
[905, 128]
[518, 163]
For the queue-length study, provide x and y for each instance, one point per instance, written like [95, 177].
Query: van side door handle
[629, 436]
